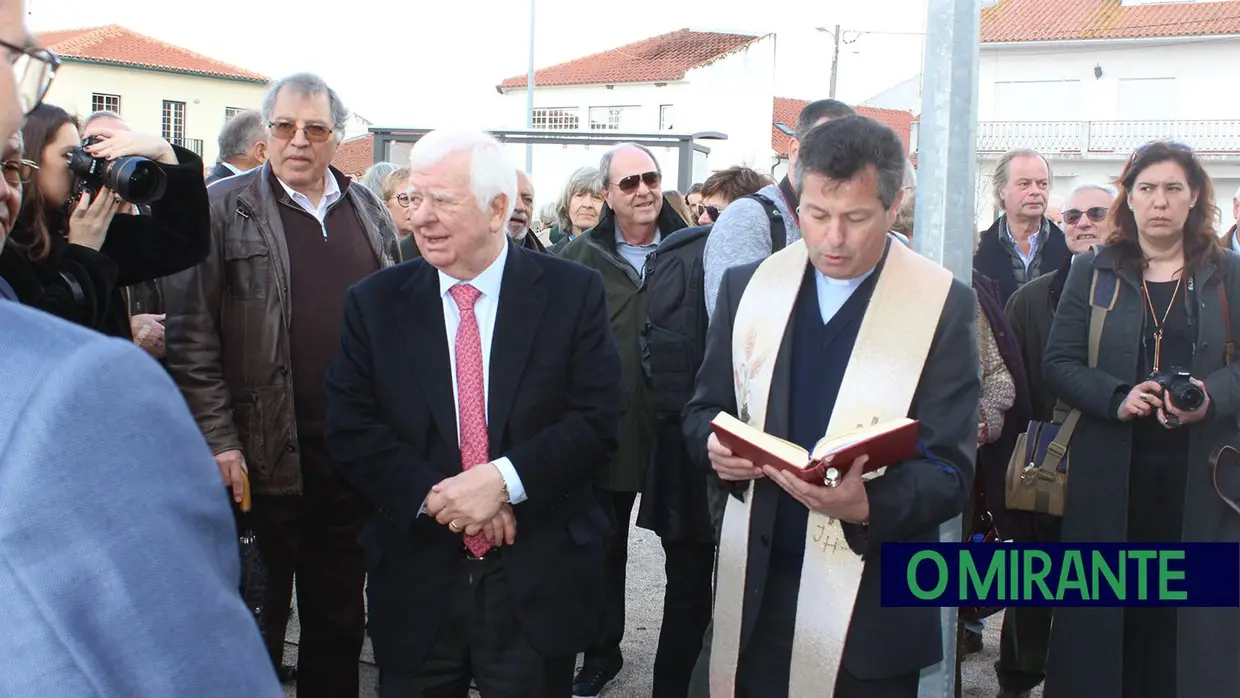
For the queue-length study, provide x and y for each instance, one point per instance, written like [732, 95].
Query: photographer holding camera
[1141, 346]
[75, 244]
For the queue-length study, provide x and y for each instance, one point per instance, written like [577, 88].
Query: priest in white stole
[845, 328]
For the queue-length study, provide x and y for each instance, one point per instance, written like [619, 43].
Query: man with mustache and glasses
[1030, 312]
[523, 215]
[1023, 243]
[116, 580]
[634, 221]
[250, 334]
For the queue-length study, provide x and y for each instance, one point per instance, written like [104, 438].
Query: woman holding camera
[1162, 396]
[74, 247]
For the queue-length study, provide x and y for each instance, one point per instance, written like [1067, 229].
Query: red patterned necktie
[471, 394]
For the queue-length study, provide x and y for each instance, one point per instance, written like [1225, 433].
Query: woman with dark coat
[1139, 461]
[71, 255]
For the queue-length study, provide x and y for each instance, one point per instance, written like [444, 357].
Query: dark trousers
[480, 639]
[686, 614]
[605, 649]
[764, 665]
[314, 537]
[1026, 633]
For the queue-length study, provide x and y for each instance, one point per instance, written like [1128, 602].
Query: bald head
[523, 212]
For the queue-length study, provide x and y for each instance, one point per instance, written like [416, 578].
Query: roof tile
[116, 45]
[1069, 20]
[786, 111]
[663, 58]
[355, 156]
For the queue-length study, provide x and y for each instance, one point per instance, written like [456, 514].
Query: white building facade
[1087, 105]
[686, 105]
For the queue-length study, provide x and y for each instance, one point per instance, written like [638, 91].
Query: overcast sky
[424, 62]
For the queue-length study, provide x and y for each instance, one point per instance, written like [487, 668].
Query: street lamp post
[529, 97]
[835, 55]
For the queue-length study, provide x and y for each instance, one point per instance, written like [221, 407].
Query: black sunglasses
[1096, 214]
[628, 184]
[712, 212]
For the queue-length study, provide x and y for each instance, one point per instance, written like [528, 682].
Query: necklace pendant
[1190, 283]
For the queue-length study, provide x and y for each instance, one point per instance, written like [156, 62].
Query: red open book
[886, 443]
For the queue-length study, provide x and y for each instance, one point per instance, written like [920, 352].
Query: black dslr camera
[136, 179]
[1181, 391]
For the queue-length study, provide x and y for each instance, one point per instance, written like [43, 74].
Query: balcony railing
[191, 144]
[1104, 138]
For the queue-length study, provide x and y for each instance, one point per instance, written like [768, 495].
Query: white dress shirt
[233, 168]
[331, 192]
[489, 283]
[834, 293]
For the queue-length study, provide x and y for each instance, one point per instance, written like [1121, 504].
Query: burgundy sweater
[321, 269]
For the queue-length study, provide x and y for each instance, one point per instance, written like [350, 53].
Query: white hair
[1090, 186]
[490, 173]
[910, 175]
[1237, 196]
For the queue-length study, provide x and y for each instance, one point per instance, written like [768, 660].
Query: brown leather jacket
[227, 326]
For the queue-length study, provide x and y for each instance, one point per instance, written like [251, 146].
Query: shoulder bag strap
[1097, 318]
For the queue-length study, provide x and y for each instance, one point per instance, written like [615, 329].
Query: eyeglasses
[34, 69]
[402, 199]
[287, 130]
[18, 172]
[1096, 214]
[712, 212]
[628, 184]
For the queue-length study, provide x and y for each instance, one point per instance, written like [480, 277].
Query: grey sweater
[742, 235]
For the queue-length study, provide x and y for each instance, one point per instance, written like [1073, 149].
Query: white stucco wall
[695, 103]
[143, 92]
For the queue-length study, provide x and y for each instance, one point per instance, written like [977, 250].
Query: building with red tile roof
[664, 58]
[786, 111]
[115, 45]
[1086, 20]
[156, 87]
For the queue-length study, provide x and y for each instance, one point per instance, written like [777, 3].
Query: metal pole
[529, 97]
[946, 181]
[835, 59]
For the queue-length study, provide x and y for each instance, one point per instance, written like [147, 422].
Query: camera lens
[136, 179]
[1188, 397]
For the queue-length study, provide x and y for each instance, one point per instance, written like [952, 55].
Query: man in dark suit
[474, 417]
[243, 145]
[849, 295]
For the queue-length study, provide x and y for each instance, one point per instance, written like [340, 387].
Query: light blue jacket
[119, 563]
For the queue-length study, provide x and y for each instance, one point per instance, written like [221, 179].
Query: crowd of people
[437, 409]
